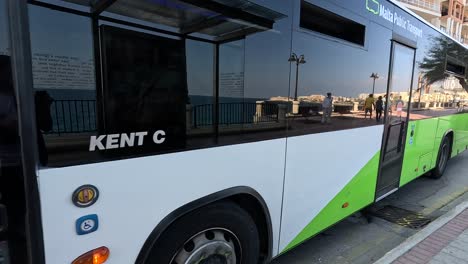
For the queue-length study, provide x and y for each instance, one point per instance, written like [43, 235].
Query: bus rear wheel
[220, 233]
[442, 159]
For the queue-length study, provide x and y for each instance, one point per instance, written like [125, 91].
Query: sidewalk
[443, 241]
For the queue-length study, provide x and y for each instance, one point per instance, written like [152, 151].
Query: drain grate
[402, 217]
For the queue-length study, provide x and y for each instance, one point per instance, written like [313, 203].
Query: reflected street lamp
[374, 76]
[298, 60]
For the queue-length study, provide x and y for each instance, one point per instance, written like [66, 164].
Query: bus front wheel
[220, 233]
[442, 158]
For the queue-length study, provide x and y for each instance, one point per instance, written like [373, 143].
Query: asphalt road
[355, 240]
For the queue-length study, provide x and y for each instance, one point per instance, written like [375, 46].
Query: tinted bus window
[329, 23]
[335, 87]
[220, 83]
[439, 87]
[64, 85]
[145, 88]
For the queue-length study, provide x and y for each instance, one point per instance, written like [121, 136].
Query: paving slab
[443, 241]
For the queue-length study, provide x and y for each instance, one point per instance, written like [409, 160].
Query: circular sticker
[85, 196]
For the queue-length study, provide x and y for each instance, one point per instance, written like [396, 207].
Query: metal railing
[426, 4]
[234, 114]
[78, 116]
[73, 116]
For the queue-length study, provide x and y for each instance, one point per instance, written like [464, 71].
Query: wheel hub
[214, 246]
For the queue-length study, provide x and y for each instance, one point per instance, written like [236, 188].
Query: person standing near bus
[379, 107]
[327, 108]
[369, 104]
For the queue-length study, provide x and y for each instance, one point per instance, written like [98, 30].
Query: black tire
[226, 216]
[442, 158]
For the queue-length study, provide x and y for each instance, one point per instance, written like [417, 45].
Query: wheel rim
[443, 157]
[211, 246]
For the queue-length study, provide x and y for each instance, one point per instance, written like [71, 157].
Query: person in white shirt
[327, 108]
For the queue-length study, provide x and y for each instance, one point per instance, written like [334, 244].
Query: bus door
[397, 103]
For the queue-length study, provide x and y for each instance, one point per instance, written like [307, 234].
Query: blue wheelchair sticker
[87, 224]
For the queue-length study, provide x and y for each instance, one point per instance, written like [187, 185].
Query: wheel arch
[246, 197]
[449, 133]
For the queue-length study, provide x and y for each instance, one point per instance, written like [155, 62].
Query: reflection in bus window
[63, 80]
[440, 90]
[160, 93]
[145, 88]
[9, 141]
[201, 90]
[402, 74]
[354, 76]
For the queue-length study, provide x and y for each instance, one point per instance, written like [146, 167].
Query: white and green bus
[213, 131]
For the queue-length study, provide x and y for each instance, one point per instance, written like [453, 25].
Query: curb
[412, 241]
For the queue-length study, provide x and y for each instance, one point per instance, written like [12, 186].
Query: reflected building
[450, 16]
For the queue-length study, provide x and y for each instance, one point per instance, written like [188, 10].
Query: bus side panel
[459, 125]
[136, 194]
[318, 169]
[422, 148]
[419, 149]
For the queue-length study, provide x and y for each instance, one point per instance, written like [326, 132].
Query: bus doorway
[397, 103]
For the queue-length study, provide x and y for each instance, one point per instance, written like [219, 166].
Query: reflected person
[327, 105]
[459, 106]
[379, 107]
[399, 104]
[8, 115]
[44, 122]
[369, 104]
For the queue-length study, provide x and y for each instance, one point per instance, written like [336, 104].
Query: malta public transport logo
[398, 19]
[373, 6]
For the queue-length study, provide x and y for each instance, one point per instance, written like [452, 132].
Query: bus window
[162, 91]
[201, 94]
[145, 89]
[439, 88]
[338, 80]
[63, 79]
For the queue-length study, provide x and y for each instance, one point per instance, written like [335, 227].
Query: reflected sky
[199, 79]
[402, 70]
[60, 33]
[341, 68]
